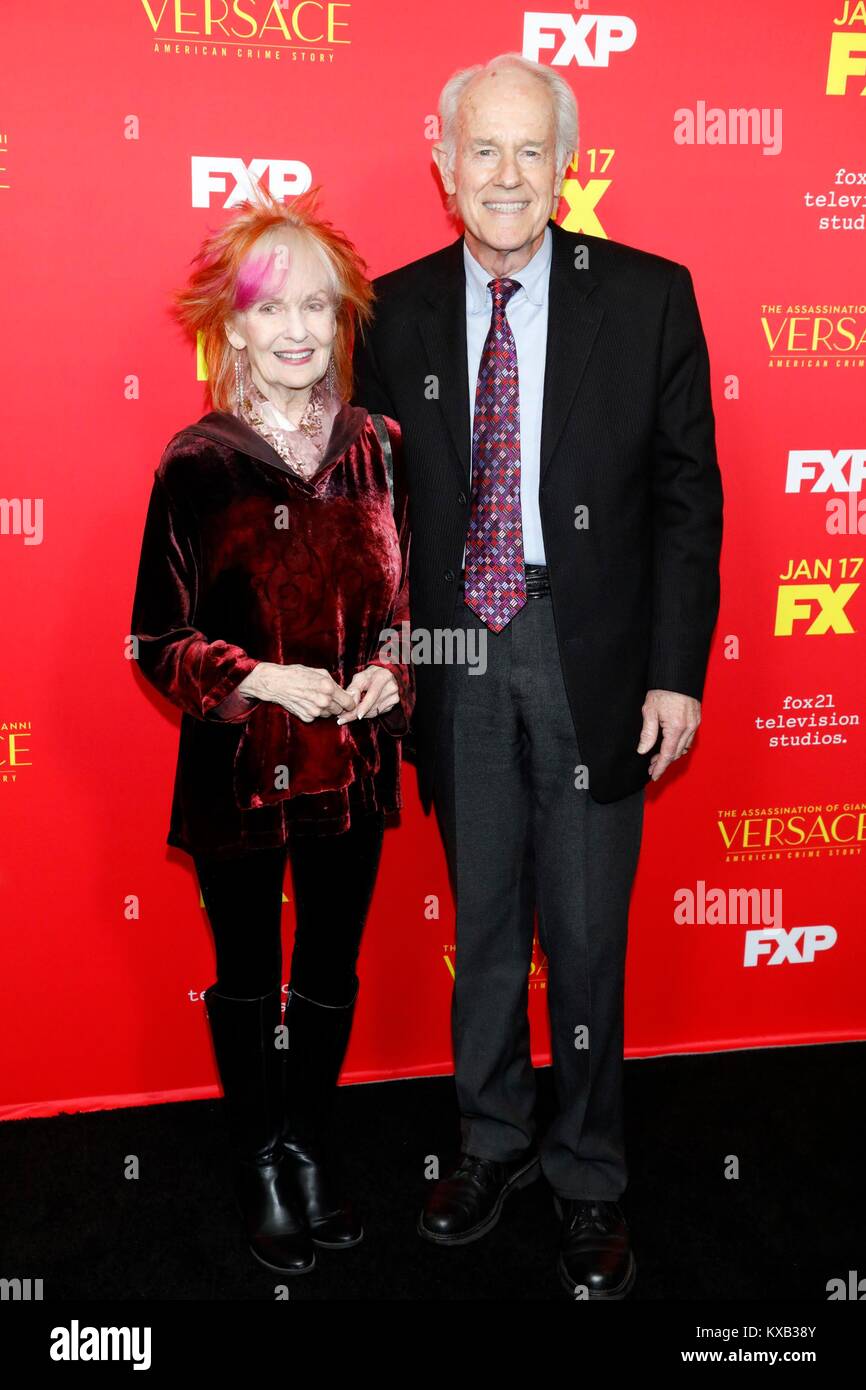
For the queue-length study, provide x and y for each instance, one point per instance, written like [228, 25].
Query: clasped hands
[311, 692]
[678, 716]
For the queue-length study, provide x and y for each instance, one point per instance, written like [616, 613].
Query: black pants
[333, 878]
[520, 836]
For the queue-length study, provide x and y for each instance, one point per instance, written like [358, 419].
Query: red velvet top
[244, 561]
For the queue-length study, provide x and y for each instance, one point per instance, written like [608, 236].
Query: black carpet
[791, 1221]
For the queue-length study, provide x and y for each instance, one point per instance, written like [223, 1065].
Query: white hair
[561, 95]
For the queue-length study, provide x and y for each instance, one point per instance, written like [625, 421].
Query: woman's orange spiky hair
[228, 277]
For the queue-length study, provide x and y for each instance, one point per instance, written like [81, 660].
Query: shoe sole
[524, 1178]
[337, 1244]
[611, 1296]
[281, 1269]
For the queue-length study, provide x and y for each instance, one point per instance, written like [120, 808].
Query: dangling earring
[331, 377]
[239, 381]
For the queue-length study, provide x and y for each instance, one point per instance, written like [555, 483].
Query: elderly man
[565, 501]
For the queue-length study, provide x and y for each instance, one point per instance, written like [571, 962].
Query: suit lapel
[442, 325]
[572, 324]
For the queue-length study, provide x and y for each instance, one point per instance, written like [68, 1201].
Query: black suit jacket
[628, 432]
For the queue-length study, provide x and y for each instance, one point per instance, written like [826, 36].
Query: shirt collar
[533, 277]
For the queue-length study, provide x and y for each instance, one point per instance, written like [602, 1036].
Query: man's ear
[440, 156]
[560, 177]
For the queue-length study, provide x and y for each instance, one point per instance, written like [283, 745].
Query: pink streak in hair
[255, 282]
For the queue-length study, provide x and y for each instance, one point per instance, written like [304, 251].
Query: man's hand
[376, 690]
[679, 717]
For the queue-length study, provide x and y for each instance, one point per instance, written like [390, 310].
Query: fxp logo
[795, 947]
[612, 33]
[213, 174]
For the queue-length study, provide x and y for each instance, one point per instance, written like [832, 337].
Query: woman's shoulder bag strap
[385, 440]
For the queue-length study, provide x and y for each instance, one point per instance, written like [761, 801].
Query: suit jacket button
[461, 498]
[449, 575]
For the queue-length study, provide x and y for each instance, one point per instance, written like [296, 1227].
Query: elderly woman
[274, 555]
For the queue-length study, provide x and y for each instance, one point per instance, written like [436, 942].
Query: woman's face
[289, 334]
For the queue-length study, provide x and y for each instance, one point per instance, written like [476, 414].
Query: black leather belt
[537, 582]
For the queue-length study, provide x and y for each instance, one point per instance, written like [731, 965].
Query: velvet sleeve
[197, 673]
[396, 721]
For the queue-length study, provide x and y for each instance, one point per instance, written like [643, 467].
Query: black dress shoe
[594, 1251]
[468, 1203]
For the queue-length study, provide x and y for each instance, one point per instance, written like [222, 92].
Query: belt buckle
[537, 582]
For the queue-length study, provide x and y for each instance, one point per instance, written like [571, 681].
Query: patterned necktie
[495, 581]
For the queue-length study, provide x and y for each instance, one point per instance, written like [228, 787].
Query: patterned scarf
[301, 446]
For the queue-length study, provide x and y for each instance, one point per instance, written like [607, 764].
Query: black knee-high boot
[251, 1071]
[318, 1038]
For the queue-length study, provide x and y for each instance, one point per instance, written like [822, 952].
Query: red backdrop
[126, 130]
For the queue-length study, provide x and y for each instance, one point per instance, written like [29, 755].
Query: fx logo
[614, 33]
[761, 941]
[847, 57]
[795, 604]
[582, 203]
[804, 464]
[286, 178]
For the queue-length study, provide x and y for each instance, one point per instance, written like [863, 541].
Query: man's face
[504, 178]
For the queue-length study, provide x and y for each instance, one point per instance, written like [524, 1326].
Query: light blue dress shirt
[527, 315]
